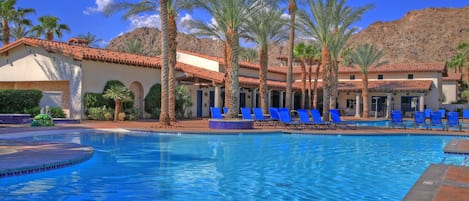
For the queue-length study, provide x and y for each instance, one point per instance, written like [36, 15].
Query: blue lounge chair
[246, 113]
[274, 114]
[396, 119]
[427, 113]
[465, 114]
[216, 113]
[260, 118]
[286, 120]
[335, 116]
[419, 119]
[453, 121]
[435, 120]
[442, 113]
[225, 111]
[304, 118]
[318, 120]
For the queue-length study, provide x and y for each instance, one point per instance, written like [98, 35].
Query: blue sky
[85, 15]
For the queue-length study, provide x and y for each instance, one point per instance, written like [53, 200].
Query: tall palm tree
[364, 56]
[9, 13]
[461, 60]
[263, 28]
[292, 8]
[119, 94]
[91, 39]
[327, 22]
[155, 6]
[49, 26]
[19, 31]
[307, 54]
[164, 115]
[230, 16]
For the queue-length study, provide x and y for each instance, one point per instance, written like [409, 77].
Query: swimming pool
[234, 167]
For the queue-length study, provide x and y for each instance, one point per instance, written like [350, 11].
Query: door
[199, 103]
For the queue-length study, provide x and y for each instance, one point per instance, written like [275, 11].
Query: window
[410, 76]
[352, 77]
[380, 77]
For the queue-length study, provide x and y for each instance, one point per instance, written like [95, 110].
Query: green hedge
[153, 101]
[19, 101]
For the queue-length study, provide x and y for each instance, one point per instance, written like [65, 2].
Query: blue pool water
[381, 123]
[234, 167]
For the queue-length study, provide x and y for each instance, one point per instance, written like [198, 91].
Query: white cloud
[138, 21]
[184, 20]
[285, 16]
[100, 6]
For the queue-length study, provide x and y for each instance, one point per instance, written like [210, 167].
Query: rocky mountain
[428, 35]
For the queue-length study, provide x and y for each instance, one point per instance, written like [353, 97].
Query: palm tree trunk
[309, 87]
[6, 32]
[164, 117]
[315, 99]
[117, 109]
[334, 84]
[326, 82]
[291, 42]
[365, 95]
[263, 57]
[172, 34]
[232, 69]
[303, 84]
[50, 36]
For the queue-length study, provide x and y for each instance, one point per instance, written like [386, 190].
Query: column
[217, 96]
[357, 105]
[422, 102]
[292, 100]
[388, 105]
[281, 98]
[254, 97]
[269, 98]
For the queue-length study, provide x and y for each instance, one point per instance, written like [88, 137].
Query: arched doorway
[137, 88]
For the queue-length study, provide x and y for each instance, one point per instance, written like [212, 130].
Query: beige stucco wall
[450, 91]
[254, 73]
[198, 61]
[26, 64]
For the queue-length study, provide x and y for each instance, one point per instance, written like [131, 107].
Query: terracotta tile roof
[241, 63]
[383, 86]
[391, 68]
[453, 77]
[79, 52]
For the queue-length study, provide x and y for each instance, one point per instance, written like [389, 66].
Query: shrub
[94, 100]
[33, 111]
[153, 100]
[19, 101]
[42, 120]
[121, 116]
[99, 113]
[56, 112]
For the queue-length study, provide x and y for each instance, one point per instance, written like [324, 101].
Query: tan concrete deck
[457, 175]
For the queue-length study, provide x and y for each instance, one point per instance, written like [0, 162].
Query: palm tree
[291, 42]
[171, 12]
[119, 94]
[9, 13]
[263, 28]
[299, 52]
[461, 60]
[49, 27]
[19, 31]
[134, 46]
[364, 56]
[230, 16]
[91, 39]
[329, 22]
[249, 55]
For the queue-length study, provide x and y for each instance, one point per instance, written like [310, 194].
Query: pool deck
[439, 182]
